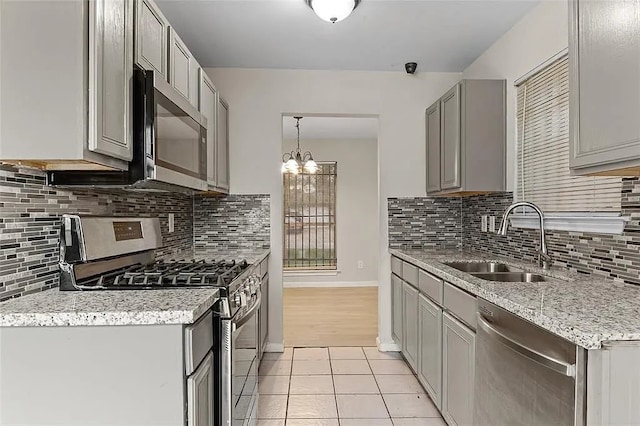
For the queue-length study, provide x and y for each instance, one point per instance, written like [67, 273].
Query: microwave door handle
[556, 365]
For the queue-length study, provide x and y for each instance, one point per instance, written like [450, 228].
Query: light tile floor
[341, 386]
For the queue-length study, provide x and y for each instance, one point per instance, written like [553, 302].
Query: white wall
[356, 209]
[538, 36]
[258, 98]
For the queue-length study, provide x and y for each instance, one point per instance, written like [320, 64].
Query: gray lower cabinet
[200, 394]
[151, 33]
[410, 324]
[466, 148]
[430, 348]
[396, 309]
[458, 371]
[604, 65]
[264, 315]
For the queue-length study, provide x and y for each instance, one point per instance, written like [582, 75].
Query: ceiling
[380, 35]
[342, 128]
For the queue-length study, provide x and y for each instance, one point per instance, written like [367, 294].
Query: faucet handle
[544, 260]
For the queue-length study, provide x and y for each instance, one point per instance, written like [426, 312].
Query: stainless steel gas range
[118, 253]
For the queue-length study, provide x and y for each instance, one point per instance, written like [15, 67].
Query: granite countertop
[125, 307]
[586, 310]
[128, 307]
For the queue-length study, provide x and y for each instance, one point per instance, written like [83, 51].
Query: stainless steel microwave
[170, 144]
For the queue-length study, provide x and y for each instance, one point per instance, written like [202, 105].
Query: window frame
[575, 221]
[322, 270]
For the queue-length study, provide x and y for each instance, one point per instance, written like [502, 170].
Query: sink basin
[472, 267]
[514, 277]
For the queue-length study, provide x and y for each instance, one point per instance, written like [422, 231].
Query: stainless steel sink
[512, 277]
[472, 267]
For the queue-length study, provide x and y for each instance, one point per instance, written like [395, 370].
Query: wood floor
[330, 316]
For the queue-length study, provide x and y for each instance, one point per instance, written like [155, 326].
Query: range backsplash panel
[232, 222]
[425, 222]
[436, 222]
[30, 215]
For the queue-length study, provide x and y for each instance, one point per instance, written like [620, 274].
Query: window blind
[543, 149]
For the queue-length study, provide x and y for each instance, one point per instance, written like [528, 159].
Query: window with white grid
[543, 150]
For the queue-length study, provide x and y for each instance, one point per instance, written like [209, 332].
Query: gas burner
[168, 274]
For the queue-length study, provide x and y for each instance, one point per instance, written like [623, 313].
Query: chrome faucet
[544, 260]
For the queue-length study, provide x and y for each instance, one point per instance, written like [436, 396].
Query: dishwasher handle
[556, 365]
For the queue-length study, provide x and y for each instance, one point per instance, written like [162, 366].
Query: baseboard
[274, 347]
[387, 347]
[329, 284]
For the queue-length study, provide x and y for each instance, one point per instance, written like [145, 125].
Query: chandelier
[295, 162]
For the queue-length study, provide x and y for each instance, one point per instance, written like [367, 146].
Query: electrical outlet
[492, 224]
[360, 264]
[483, 223]
[171, 222]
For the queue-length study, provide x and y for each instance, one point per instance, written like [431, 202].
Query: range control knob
[237, 300]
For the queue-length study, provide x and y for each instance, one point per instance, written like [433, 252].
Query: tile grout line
[375, 379]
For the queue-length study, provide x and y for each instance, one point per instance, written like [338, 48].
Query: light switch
[492, 224]
[483, 223]
[171, 222]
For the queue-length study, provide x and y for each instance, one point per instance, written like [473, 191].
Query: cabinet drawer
[430, 286]
[396, 266]
[461, 304]
[410, 274]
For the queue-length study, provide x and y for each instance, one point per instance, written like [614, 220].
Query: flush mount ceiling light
[333, 10]
[295, 162]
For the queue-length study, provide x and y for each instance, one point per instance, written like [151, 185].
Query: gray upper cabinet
[151, 33]
[396, 309]
[180, 63]
[466, 150]
[74, 78]
[208, 101]
[194, 82]
[430, 351]
[458, 371]
[432, 123]
[111, 78]
[222, 154]
[604, 66]
[410, 324]
[450, 139]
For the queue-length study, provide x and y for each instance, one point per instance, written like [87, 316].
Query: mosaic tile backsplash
[30, 216]
[425, 222]
[613, 256]
[233, 222]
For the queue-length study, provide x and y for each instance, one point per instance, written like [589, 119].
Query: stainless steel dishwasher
[524, 374]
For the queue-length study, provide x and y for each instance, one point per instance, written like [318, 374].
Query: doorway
[331, 231]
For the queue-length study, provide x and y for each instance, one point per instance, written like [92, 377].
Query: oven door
[176, 138]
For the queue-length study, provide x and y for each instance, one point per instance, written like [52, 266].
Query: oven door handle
[241, 321]
[556, 365]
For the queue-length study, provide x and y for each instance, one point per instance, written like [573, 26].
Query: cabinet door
[110, 77]
[430, 348]
[410, 325]
[151, 30]
[195, 72]
[264, 313]
[208, 101]
[200, 394]
[450, 148]
[222, 155]
[458, 371]
[433, 147]
[180, 61]
[396, 309]
[605, 99]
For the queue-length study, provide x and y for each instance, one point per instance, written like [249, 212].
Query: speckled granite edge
[585, 310]
[53, 308]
